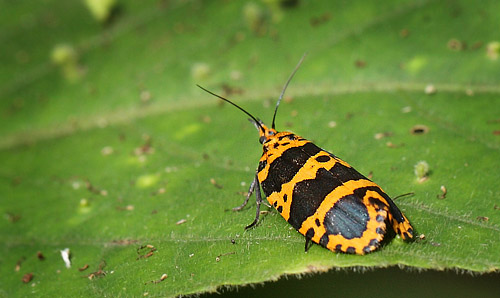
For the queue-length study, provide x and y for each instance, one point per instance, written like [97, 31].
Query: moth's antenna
[286, 85]
[243, 110]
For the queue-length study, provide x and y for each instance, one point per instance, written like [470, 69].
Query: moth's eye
[271, 133]
[262, 139]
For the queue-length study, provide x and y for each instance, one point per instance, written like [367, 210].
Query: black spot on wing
[348, 217]
[289, 136]
[308, 195]
[351, 250]
[323, 241]
[285, 167]
[378, 203]
[323, 158]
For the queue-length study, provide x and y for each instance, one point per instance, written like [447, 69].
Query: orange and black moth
[320, 195]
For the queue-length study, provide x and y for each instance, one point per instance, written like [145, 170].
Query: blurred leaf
[133, 154]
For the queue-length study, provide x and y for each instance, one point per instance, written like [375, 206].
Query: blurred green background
[107, 145]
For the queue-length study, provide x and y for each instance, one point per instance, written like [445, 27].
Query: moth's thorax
[275, 146]
[277, 140]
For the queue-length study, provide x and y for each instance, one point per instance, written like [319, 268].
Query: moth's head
[265, 133]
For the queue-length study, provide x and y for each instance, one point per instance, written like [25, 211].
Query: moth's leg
[258, 201]
[250, 191]
[308, 244]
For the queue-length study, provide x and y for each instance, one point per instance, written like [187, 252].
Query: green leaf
[127, 152]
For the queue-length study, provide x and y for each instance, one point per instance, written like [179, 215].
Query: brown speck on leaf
[40, 256]
[214, 183]
[482, 218]
[288, 99]
[206, 119]
[159, 191]
[13, 218]
[404, 33]
[456, 45]
[360, 63]
[83, 268]
[181, 221]
[148, 253]
[392, 145]
[230, 90]
[477, 45]
[16, 181]
[162, 278]
[146, 148]
[94, 190]
[419, 129]
[125, 208]
[370, 175]
[217, 258]
[496, 132]
[27, 277]
[99, 272]
[381, 135]
[316, 21]
[18, 264]
[444, 191]
[124, 242]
